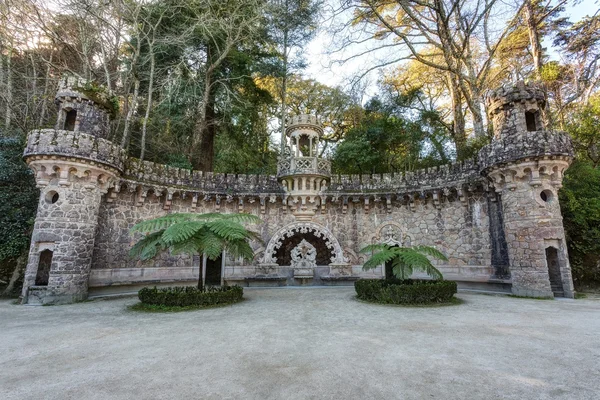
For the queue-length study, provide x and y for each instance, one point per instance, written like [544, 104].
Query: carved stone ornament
[390, 233]
[304, 227]
[304, 255]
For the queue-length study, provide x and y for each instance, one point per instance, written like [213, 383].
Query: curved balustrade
[303, 165]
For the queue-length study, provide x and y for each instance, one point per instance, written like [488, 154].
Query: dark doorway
[213, 272]
[389, 273]
[43, 271]
[530, 120]
[554, 271]
[70, 118]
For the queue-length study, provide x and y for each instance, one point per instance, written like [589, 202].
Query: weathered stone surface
[495, 217]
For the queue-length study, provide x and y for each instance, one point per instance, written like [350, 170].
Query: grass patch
[154, 308]
[454, 301]
[529, 297]
[579, 295]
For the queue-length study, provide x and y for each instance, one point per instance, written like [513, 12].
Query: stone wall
[458, 228]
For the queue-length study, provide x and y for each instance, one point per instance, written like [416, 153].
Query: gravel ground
[307, 343]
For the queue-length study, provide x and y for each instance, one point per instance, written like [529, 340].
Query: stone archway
[303, 228]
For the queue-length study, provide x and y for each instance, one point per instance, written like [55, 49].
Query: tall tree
[460, 32]
[292, 24]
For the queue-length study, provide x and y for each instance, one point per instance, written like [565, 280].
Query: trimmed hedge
[185, 296]
[395, 291]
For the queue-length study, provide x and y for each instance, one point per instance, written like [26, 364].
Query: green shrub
[394, 291]
[185, 296]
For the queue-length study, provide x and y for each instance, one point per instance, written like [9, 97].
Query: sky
[321, 69]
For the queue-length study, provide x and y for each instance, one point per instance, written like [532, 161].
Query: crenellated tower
[74, 167]
[302, 172]
[525, 164]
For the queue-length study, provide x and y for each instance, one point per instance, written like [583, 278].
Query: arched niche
[300, 229]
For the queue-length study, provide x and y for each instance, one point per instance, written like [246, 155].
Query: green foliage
[18, 205]
[405, 291]
[98, 94]
[187, 296]
[580, 205]
[584, 127]
[209, 234]
[387, 140]
[405, 260]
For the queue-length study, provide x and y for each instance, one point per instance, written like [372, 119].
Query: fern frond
[242, 218]
[418, 261]
[430, 251]
[190, 246]
[210, 244]
[240, 248]
[160, 223]
[228, 229]
[148, 246]
[401, 270]
[375, 248]
[378, 259]
[182, 231]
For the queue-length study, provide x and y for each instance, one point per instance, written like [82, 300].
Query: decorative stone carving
[304, 227]
[304, 257]
[389, 233]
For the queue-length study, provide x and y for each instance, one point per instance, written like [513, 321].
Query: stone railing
[303, 165]
[435, 177]
[51, 142]
[158, 174]
[529, 144]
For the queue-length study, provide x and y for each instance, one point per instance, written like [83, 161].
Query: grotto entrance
[283, 254]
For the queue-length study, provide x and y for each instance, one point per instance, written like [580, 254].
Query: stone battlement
[433, 177]
[533, 144]
[301, 121]
[69, 144]
[151, 173]
[512, 93]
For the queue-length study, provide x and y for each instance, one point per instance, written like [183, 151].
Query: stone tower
[74, 167]
[525, 163]
[303, 174]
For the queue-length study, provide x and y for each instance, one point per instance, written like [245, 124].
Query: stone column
[66, 221]
[533, 224]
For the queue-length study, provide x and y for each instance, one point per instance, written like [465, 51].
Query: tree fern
[208, 234]
[405, 260]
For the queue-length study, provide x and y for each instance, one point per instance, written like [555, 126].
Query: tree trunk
[8, 115]
[17, 273]
[202, 157]
[284, 91]
[534, 37]
[148, 105]
[458, 115]
[131, 109]
[45, 94]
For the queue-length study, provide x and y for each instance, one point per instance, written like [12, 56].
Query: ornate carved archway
[301, 228]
